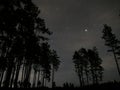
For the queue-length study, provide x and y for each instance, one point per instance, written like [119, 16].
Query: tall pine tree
[112, 42]
[21, 33]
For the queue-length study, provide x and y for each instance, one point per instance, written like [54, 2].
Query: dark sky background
[68, 20]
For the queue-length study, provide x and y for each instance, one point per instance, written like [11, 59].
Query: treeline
[26, 59]
[113, 85]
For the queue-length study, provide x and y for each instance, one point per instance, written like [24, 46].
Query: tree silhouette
[112, 42]
[78, 66]
[81, 64]
[21, 41]
[88, 62]
[55, 62]
[95, 65]
[45, 62]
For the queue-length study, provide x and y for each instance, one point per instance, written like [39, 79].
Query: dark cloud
[68, 19]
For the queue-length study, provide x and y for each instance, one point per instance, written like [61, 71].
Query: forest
[26, 57]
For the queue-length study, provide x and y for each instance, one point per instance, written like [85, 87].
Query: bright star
[86, 30]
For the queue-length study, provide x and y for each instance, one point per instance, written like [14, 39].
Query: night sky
[76, 24]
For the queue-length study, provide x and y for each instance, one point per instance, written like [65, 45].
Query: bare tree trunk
[52, 76]
[43, 79]
[34, 78]
[87, 77]
[116, 61]
[1, 78]
[27, 72]
[12, 79]
[44, 82]
[38, 82]
[8, 74]
[80, 80]
[0, 74]
[93, 77]
[17, 74]
[22, 77]
[96, 77]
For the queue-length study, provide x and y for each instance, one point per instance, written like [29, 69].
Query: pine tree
[21, 33]
[55, 62]
[81, 63]
[112, 42]
[88, 64]
[95, 65]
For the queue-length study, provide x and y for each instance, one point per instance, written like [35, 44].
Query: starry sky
[69, 20]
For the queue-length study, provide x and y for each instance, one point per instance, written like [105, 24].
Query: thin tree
[55, 62]
[95, 65]
[79, 61]
[77, 66]
[45, 62]
[85, 63]
[112, 42]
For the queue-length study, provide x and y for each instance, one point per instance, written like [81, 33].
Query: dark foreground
[104, 86]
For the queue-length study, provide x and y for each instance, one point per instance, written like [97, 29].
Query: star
[86, 30]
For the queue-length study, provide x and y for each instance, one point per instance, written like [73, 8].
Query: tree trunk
[34, 79]
[8, 75]
[116, 61]
[43, 79]
[22, 77]
[80, 80]
[29, 72]
[96, 78]
[93, 77]
[38, 80]
[17, 74]
[52, 76]
[12, 79]
[1, 78]
[26, 83]
[44, 82]
[87, 77]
